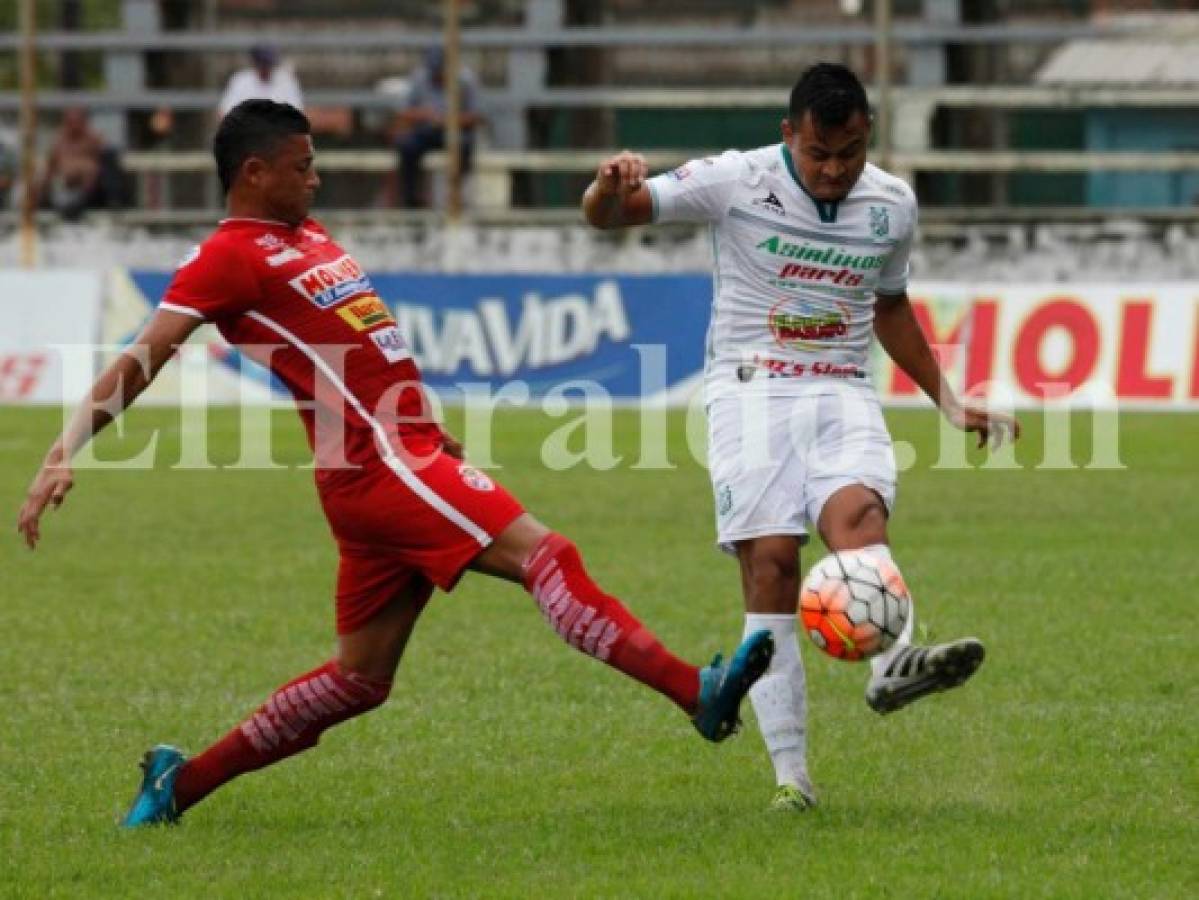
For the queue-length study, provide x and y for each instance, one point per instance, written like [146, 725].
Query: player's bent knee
[775, 567]
[863, 526]
[508, 555]
[770, 555]
[358, 691]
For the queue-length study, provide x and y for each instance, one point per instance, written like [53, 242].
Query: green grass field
[165, 604]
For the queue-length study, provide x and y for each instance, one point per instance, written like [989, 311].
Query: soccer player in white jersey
[811, 247]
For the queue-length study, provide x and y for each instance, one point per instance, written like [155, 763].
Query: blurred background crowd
[1052, 137]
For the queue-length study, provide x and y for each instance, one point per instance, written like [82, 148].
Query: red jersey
[406, 514]
[293, 300]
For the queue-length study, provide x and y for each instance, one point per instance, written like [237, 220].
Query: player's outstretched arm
[113, 392]
[901, 336]
[619, 197]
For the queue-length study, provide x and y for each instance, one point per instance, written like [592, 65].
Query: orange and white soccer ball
[854, 604]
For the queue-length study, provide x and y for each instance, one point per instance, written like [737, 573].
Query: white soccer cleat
[916, 671]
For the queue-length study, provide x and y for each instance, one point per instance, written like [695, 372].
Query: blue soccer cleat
[721, 688]
[155, 802]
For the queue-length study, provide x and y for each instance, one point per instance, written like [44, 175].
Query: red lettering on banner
[980, 351]
[1195, 359]
[20, 373]
[1077, 321]
[1132, 381]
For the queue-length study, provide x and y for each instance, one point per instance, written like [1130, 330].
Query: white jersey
[794, 277]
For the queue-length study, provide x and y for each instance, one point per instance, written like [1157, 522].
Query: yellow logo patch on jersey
[366, 313]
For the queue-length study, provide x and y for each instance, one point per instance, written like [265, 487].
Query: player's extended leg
[855, 517]
[770, 582]
[291, 721]
[551, 569]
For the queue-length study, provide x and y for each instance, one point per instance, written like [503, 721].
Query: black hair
[253, 128]
[831, 92]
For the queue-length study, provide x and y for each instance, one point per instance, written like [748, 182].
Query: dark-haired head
[265, 161]
[827, 130]
[831, 93]
[253, 128]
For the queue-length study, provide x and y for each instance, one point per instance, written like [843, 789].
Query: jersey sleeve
[213, 282]
[697, 191]
[893, 279]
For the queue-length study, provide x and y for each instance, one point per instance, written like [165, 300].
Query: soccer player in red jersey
[407, 512]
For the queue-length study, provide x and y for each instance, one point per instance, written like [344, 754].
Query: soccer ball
[854, 604]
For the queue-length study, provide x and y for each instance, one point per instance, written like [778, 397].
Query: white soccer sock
[878, 664]
[780, 699]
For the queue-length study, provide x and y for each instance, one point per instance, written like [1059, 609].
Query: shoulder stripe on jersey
[406, 475]
[186, 310]
[848, 240]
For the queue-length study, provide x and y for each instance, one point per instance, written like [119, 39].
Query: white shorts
[775, 460]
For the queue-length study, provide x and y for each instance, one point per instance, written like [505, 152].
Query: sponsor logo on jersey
[329, 283]
[475, 479]
[365, 313]
[680, 173]
[770, 202]
[286, 255]
[880, 222]
[788, 327]
[800, 272]
[781, 368]
[270, 241]
[822, 253]
[391, 344]
[808, 331]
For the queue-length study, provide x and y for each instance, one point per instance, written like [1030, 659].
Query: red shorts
[408, 523]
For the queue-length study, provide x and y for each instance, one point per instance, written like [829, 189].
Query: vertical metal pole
[882, 80]
[28, 135]
[453, 111]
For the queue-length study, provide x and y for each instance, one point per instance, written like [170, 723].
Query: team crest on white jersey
[880, 222]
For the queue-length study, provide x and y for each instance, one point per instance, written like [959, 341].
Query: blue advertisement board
[633, 335]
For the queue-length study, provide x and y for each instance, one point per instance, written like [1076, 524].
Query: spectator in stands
[265, 79]
[82, 171]
[423, 119]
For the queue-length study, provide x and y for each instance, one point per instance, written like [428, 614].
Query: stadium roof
[1131, 62]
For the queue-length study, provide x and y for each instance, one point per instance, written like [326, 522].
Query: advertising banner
[632, 335]
[49, 325]
[642, 337]
[1084, 344]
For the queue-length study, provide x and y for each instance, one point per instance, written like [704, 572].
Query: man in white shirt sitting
[266, 79]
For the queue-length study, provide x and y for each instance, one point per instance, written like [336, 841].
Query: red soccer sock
[600, 626]
[290, 722]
